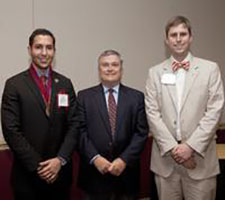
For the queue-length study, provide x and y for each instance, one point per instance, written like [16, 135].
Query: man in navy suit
[39, 124]
[109, 146]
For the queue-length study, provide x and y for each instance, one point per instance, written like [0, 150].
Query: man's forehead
[110, 58]
[39, 38]
[179, 26]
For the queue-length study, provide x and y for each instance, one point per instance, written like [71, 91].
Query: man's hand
[117, 167]
[102, 164]
[181, 153]
[190, 163]
[48, 170]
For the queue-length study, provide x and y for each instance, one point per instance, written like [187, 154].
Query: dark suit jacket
[95, 138]
[31, 134]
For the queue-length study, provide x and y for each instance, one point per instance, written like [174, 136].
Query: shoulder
[156, 71]
[60, 76]
[160, 66]
[205, 64]
[90, 90]
[17, 78]
[131, 91]
[61, 80]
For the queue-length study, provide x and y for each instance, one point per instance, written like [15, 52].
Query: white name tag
[168, 79]
[63, 100]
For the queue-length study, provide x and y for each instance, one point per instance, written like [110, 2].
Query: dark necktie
[178, 65]
[112, 111]
[45, 93]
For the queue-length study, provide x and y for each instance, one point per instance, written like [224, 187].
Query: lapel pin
[56, 80]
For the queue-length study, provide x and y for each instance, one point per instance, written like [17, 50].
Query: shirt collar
[115, 88]
[42, 72]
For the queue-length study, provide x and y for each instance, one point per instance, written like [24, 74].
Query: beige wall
[84, 28]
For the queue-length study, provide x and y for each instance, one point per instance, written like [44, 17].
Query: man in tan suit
[184, 99]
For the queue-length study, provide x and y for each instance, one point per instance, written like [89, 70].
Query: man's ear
[166, 41]
[29, 50]
[191, 38]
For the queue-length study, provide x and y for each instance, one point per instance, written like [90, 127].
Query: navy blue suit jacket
[95, 138]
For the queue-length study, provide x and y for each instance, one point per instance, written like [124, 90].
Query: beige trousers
[179, 186]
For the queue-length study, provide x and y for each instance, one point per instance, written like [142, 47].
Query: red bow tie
[178, 65]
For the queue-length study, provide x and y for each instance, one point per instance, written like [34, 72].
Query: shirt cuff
[62, 160]
[92, 160]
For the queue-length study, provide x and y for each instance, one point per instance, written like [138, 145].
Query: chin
[43, 67]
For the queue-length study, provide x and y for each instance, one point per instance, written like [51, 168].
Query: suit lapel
[170, 87]
[102, 107]
[189, 81]
[55, 89]
[191, 76]
[121, 107]
[37, 94]
[34, 90]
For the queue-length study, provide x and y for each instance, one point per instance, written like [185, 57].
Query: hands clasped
[183, 154]
[49, 169]
[104, 166]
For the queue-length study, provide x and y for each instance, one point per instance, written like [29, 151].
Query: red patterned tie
[43, 79]
[178, 65]
[112, 111]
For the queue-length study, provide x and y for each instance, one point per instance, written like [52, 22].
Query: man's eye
[38, 47]
[173, 35]
[115, 64]
[183, 34]
[49, 47]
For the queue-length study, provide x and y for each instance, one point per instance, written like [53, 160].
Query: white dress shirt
[180, 82]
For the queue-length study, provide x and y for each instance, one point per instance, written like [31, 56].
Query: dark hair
[41, 31]
[109, 53]
[177, 20]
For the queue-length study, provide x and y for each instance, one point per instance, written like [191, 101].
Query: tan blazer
[202, 102]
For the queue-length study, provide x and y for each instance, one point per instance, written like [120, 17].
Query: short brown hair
[177, 20]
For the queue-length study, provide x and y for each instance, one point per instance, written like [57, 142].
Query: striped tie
[112, 111]
[178, 65]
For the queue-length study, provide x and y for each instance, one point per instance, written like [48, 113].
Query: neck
[110, 85]
[180, 57]
[42, 70]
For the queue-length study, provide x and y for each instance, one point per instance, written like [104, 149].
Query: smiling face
[179, 40]
[110, 70]
[42, 51]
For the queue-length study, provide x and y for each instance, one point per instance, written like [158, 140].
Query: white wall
[85, 28]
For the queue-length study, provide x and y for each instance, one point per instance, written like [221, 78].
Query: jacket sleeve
[11, 118]
[87, 149]
[202, 135]
[132, 152]
[71, 129]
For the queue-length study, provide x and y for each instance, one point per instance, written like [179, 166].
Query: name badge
[168, 79]
[63, 100]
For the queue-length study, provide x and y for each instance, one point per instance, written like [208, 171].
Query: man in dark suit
[39, 124]
[113, 133]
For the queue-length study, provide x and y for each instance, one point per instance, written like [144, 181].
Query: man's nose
[44, 51]
[110, 67]
[178, 38]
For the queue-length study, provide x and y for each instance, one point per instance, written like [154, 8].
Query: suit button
[174, 122]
